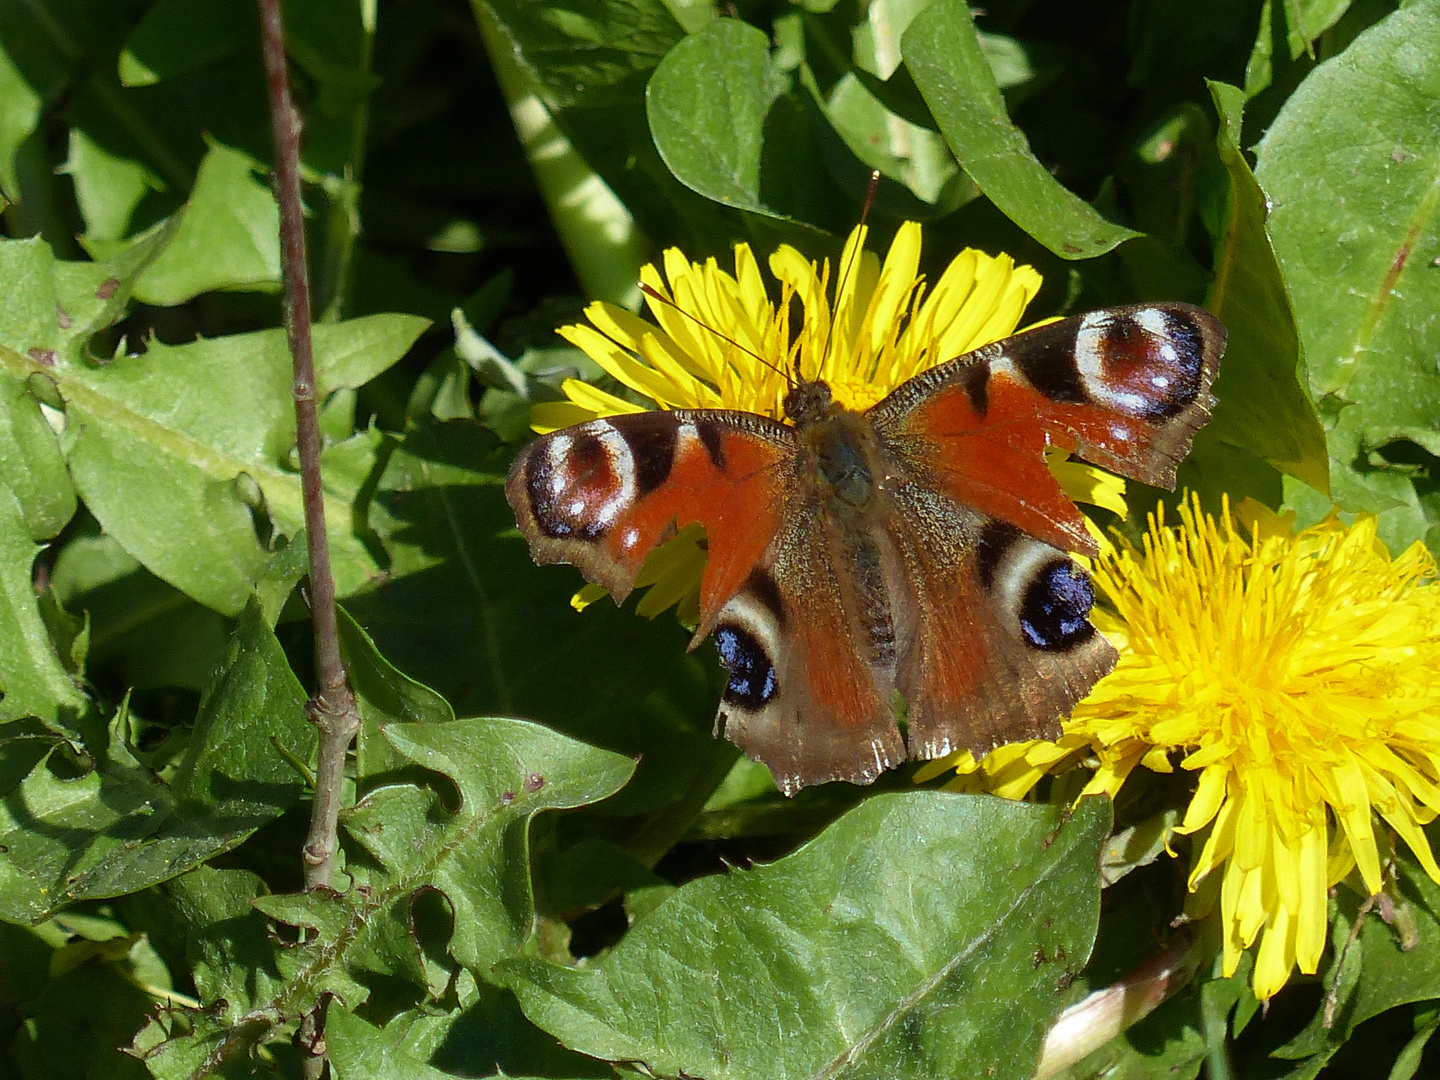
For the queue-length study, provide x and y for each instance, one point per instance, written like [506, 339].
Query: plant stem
[332, 710]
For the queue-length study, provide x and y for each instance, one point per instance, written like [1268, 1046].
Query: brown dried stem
[332, 710]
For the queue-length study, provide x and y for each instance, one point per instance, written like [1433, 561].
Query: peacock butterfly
[912, 551]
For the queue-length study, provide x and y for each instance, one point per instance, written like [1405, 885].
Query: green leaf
[1264, 408]
[19, 115]
[117, 828]
[1355, 218]
[143, 631]
[228, 237]
[383, 695]
[476, 856]
[1380, 969]
[30, 460]
[707, 104]
[589, 69]
[184, 453]
[922, 934]
[948, 65]
[108, 186]
[33, 679]
[487, 1033]
[176, 36]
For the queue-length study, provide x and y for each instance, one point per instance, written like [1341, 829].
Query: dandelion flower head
[1299, 677]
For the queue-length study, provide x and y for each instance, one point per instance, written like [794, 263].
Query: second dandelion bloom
[1299, 677]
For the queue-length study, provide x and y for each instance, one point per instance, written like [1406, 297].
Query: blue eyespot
[1053, 614]
[752, 683]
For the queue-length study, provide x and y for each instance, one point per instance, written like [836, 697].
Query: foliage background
[154, 651]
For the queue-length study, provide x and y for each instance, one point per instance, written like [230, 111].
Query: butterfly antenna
[654, 294]
[849, 264]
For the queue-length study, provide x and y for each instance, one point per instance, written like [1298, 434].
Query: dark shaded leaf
[948, 65]
[1264, 407]
[117, 828]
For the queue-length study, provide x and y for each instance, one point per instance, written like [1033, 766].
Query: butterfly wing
[786, 609]
[997, 646]
[603, 494]
[1125, 388]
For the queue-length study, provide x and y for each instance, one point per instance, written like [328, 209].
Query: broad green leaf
[1355, 195]
[117, 828]
[412, 842]
[1264, 408]
[19, 114]
[108, 186]
[489, 1034]
[33, 679]
[465, 610]
[176, 36]
[707, 103]
[185, 452]
[922, 934]
[30, 460]
[143, 632]
[384, 695]
[905, 152]
[1380, 969]
[228, 236]
[948, 65]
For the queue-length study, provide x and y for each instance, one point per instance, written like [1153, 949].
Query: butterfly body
[910, 554]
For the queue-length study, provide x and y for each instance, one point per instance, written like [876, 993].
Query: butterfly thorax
[837, 447]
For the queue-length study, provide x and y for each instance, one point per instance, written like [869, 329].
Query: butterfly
[892, 583]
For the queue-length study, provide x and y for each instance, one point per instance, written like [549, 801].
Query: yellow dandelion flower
[1300, 675]
[722, 340]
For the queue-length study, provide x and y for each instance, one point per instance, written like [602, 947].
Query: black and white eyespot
[1047, 595]
[1146, 362]
[578, 481]
[748, 639]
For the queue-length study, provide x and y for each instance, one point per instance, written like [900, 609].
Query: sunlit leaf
[1355, 197]
[923, 934]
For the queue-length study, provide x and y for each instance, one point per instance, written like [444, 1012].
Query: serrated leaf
[947, 63]
[477, 855]
[1264, 405]
[489, 1034]
[117, 828]
[228, 235]
[184, 452]
[108, 186]
[33, 678]
[922, 934]
[1355, 219]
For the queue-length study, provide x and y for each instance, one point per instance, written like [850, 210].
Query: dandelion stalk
[332, 710]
